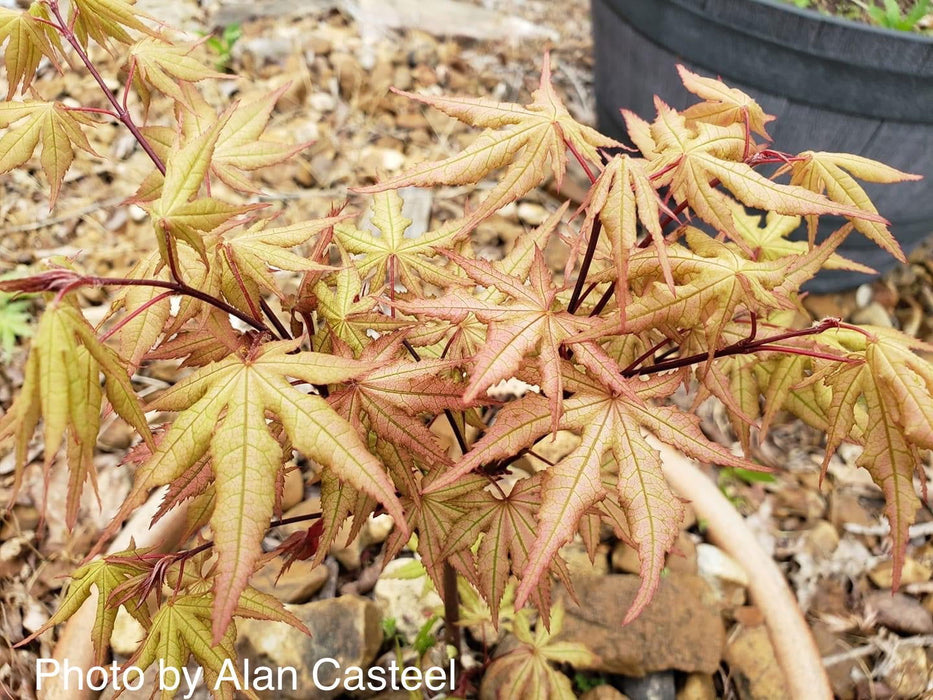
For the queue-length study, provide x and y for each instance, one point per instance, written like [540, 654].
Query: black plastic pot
[833, 85]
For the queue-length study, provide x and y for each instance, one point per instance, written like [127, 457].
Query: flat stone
[680, 629]
[755, 670]
[604, 692]
[347, 629]
[296, 585]
[898, 612]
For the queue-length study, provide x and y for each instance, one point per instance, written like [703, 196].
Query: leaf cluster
[367, 367]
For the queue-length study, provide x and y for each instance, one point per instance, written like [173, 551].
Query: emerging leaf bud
[50, 281]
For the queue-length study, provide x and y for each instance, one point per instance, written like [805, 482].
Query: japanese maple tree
[365, 366]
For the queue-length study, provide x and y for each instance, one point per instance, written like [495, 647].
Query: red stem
[744, 347]
[119, 110]
[575, 299]
[178, 288]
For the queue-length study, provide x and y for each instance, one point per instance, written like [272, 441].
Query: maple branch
[452, 610]
[746, 346]
[575, 299]
[121, 113]
[603, 300]
[275, 320]
[458, 434]
[178, 288]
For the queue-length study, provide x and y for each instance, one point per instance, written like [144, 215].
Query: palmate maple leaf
[350, 315]
[430, 515]
[526, 671]
[464, 338]
[241, 146]
[722, 105]
[246, 258]
[158, 64]
[395, 395]
[392, 258]
[104, 577]
[526, 141]
[176, 212]
[609, 414]
[692, 156]
[621, 197]
[714, 281]
[182, 628]
[30, 39]
[507, 525]
[62, 386]
[770, 242]
[103, 20]
[530, 322]
[222, 412]
[52, 124]
[830, 173]
[883, 401]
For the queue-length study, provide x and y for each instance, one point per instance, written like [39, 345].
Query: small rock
[625, 559]
[264, 49]
[913, 571]
[531, 213]
[320, 45]
[347, 629]
[411, 602]
[127, 633]
[907, 671]
[821, 540]
[322, 102]
[679, 629]
[723, 574]
[294, 490]
[578, 560]
[873, 315]
[377, 529]
[848, 506]
[392, 160]
[604, 692]
[898, 612]
[296, 585]
[698, 686]
[655, 686]
[749, 616]
[753, 665]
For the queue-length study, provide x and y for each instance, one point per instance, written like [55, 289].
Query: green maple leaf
[882, 400]
[30, 39]
[100, 578]
[62, 386]
[526, 670]
[158, 64]
[391, 258]
[177, 213]
[102, 20]
[222, 412]
[52, 124]
[830, 173]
